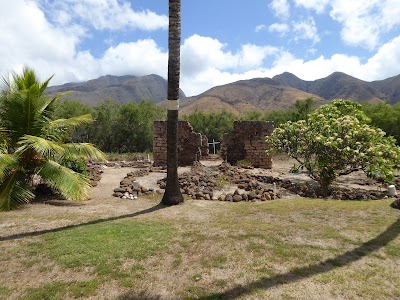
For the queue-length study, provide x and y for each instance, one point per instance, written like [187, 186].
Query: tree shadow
[294, 275]
[40, 232]
[304, 272]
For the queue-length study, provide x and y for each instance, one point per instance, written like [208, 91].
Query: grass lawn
[284, 249]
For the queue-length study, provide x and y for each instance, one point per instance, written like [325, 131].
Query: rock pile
[94, 170]
[395, 204]
[131, 189]
[261, 194]
[200, 184]
[127, 164]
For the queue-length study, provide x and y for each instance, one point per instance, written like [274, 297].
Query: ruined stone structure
[247, 142]
[191, 145]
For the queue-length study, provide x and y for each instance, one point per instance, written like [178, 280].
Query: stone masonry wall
[191, 145]
[247, 141]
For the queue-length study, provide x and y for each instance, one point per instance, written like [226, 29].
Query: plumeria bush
[337, 140]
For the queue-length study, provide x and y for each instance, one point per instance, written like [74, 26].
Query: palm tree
[31, 144]
[173, 195]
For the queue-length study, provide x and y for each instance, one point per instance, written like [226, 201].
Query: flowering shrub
[337, 140]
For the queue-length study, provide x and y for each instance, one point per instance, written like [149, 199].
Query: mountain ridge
[121, 89]
[265, 94]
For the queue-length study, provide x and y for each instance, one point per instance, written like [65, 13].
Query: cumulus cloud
[306, 30]
[384, 63]
[29, 38]
[280, 28]
[365, 21]
[281, 8]
[261, 27]
[316, 5]
[203, 57]
[104, 14]
[139, 58]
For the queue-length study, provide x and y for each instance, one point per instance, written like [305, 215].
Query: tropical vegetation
[33, 149]
[336, 139]
[117, 128]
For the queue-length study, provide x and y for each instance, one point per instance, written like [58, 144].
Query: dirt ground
[101, 204]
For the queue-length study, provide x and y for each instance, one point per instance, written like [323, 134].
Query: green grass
[286, 249]
[58, 290]
[4, 292]
[103, 247]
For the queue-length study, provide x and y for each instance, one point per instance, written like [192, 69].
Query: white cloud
[139, 58]
[281, 8]
[312, 51]
[280, 28]
[104, 14]
[28, 38]
[199, 53]
[364, 21]
[253, 56]
[205, 57]
[385, 63]
[260, 28]
[306, 30]
[317, 5]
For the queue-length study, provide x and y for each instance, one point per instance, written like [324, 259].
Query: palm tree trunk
[173, 195]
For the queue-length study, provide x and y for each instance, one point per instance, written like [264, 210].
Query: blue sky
[222, 40]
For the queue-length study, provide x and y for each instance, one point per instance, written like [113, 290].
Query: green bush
[337, 140]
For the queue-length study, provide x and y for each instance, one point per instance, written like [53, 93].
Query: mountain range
[266, 94]
[121, 89]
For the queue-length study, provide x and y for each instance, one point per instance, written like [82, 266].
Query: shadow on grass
[294, 275]
[304, 272]
[40, 232]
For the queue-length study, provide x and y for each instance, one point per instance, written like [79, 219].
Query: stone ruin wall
[247, 142]
[191, 145]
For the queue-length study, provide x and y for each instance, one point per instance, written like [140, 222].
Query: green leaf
[83, 150]
[71, 185]
[43, 147]
[14, 191]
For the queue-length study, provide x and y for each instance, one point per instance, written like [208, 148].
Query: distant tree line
[117, 127]
[128, 127]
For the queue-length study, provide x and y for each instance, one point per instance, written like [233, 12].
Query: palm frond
[71, 185]
[3, 141]
[8, 164]
[72, 122]
[58, 96]
[43, 147]
[48, 102]
[83, 150]
[14, 191]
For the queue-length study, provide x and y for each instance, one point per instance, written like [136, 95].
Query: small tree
[32, 150]
[337, 140]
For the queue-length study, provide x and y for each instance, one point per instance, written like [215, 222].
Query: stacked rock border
[202, 183]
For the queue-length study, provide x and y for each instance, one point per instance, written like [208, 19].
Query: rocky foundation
[247, 142]
[192, 146]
